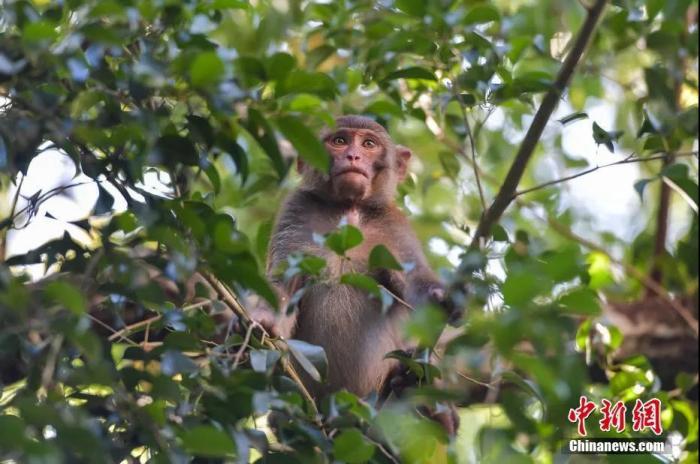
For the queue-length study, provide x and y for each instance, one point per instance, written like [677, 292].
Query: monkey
[366, 167]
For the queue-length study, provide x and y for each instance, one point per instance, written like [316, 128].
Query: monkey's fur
[344, 320]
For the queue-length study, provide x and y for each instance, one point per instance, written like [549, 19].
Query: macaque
[366, 167]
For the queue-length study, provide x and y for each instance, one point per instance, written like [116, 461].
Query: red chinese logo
[645, 415]
[613, 416]
[581, 413]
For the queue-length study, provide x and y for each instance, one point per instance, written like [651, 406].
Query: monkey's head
[365, 167]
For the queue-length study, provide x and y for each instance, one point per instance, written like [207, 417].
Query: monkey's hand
[267, 320]
[439, 296]
[445, 415]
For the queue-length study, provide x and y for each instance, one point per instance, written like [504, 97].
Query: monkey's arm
[292, 234]
[422, 284]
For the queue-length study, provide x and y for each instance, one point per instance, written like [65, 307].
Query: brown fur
[345, 321]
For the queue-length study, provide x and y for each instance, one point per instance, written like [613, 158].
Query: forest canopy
[554, 187]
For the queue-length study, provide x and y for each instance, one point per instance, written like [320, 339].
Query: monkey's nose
[352, 157]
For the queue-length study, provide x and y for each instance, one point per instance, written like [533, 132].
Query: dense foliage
[182, 119]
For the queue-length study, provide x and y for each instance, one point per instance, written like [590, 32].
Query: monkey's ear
[300, 165]
[403, 155]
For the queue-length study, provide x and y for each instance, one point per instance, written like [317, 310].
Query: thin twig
[14, 200]
[114, 331]
[384, 451]
[244, 345]
[630, 159]
[34, 204]
[92, 264]
[478, 382]
[472, 146]
[137, 325]
[397, 298]
[3, 239]
[676, 188]
[51, 361]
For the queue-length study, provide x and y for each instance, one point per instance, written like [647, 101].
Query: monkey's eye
[338, 140]
[369, 143]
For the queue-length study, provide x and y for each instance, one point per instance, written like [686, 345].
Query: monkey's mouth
[352, 169]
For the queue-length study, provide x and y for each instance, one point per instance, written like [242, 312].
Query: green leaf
[4, 158]
[361, 281]
[351, 446]
[689, 121]
[305, 102]
[520, 288]
[384, 108]
[279, 65]
[227, 4]
[581, 301]
[237, 154]
[407, 361]
[12, 436]
[482, 13]
[675, 171]
[412, 7]
[688, 189]
[573, 117]
[639, 187]
[381, 258]
[205, 440]
[174, 362]
[171, 149]
[263, 360]
[316, 83]
[66, 295]
[308, 146]
[206, 69]
[413, 72]
[214, 178]
[312, 358]
[601, 136]
[262, 239]
[312, 265]
[563, 264]
[259, 128]
[583, 334]
[450, 164]
[647, 126]
[425, 325]
[499, 233]
[39, 31]
[345, 238]
[105, 201]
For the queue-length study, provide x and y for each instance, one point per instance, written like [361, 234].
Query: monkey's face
[357, 157]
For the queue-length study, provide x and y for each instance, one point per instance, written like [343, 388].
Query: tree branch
[665, 190]
[549, 103]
